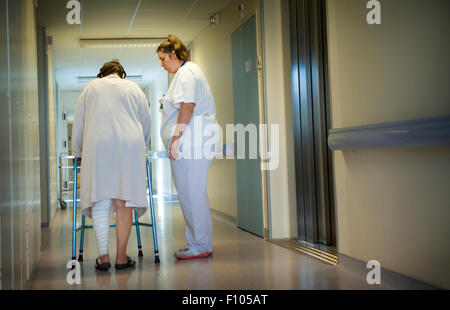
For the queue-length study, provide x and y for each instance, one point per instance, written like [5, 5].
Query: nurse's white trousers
[191, 180]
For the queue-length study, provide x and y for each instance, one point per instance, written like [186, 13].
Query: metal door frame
[41, 42]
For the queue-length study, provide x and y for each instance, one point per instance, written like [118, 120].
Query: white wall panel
[392, 204]
[19, 187]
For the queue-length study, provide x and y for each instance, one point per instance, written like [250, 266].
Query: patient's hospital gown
[111, 133]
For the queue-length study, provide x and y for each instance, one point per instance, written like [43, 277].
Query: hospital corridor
[265, 145]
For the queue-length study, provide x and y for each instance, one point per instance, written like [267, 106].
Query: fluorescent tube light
[121, 42]
[90, 78]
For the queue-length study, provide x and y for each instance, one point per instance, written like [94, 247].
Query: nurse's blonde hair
[173, 43]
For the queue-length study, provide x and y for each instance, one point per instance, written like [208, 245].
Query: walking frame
[136, 223]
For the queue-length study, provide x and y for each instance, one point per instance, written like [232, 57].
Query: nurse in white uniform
[111, 133]
[188, 110]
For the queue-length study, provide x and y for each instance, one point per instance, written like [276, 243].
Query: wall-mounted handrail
[424, 132]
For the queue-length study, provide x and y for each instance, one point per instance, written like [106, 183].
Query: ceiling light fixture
[121, 42]
[90, 78]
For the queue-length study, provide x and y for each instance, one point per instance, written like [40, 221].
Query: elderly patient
[111, 133]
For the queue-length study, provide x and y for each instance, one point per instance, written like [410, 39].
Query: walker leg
[152, 210]
[74, 224]
[80, 256]
[138, 232]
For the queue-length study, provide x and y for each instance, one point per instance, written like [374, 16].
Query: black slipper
[129, 263]
[101, 266]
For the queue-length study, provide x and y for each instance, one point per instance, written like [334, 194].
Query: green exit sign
[214, 19]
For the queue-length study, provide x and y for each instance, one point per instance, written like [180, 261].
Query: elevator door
[246, 112]
[311, 120]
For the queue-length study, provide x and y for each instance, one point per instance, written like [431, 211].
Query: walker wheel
[80, 258]
[157, 259]
[140, 254]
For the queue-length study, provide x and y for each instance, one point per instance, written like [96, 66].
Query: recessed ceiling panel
[119, 19]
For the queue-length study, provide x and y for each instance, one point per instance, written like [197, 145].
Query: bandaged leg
[100, 216]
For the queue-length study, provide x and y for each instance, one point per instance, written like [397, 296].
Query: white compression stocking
[100, 216]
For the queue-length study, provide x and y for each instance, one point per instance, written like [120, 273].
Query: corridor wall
[211, 50]
[392, 204]
[48, 135]
[52, 135]
[19, 152]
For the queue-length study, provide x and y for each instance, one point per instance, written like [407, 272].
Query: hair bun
[173, 43]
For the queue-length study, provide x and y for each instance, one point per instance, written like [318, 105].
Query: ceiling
[118, 19]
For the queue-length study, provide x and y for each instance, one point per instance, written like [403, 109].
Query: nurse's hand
[173, 152]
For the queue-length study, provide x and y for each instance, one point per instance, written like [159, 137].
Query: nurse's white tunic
[190, 85]
[111, 133]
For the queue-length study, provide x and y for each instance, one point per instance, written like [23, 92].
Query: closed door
[246, 112]
[311, 121]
